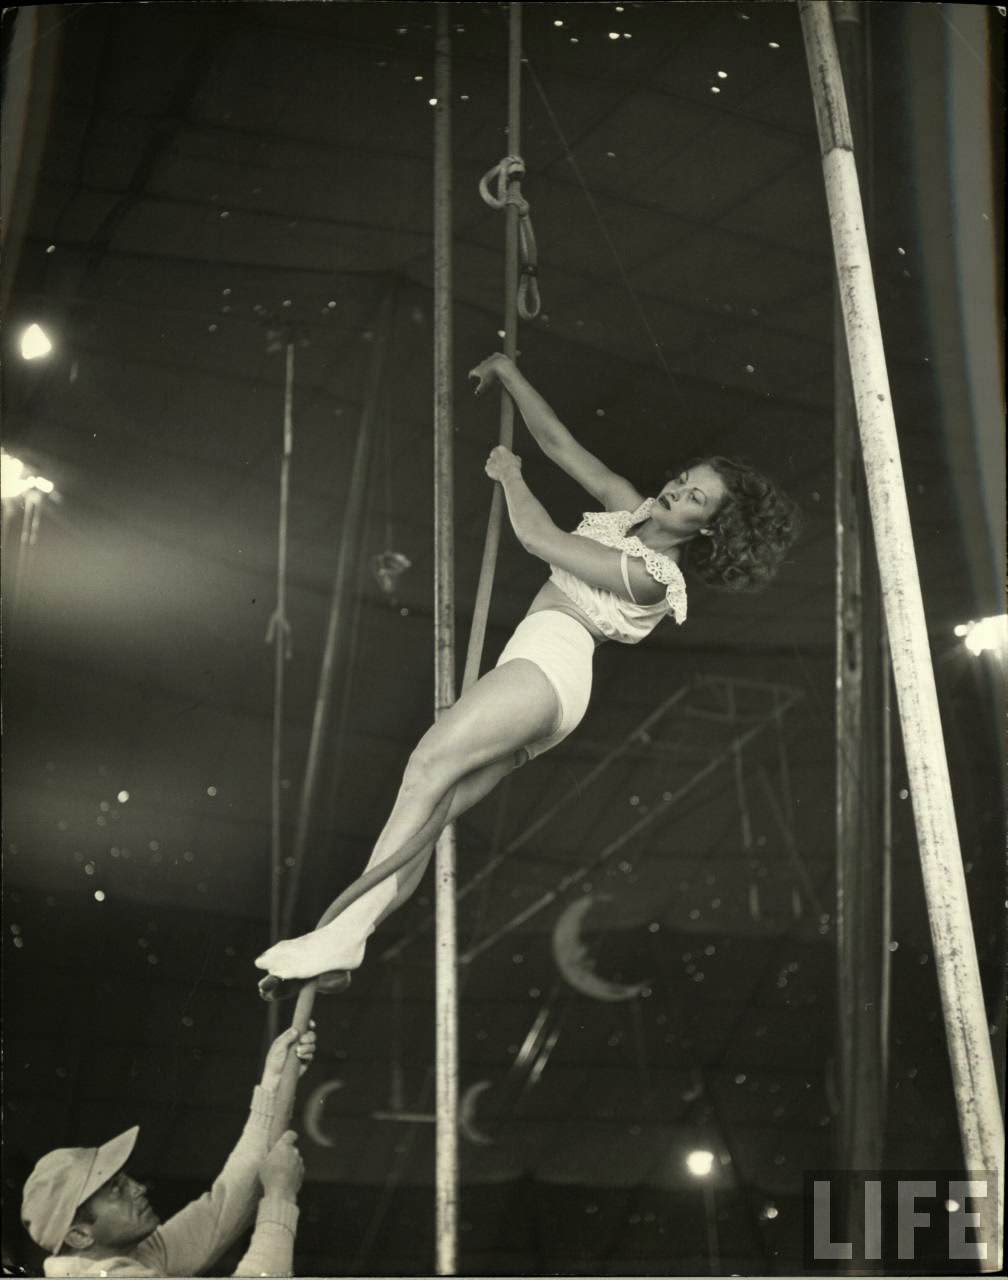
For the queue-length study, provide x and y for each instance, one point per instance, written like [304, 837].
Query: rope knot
[508, 172]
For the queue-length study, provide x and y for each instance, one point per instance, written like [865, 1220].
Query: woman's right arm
[615, 492]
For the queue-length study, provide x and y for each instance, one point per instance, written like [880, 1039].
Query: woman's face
[691, 501]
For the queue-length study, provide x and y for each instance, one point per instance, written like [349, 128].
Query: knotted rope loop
[507, 171]
[529, 302]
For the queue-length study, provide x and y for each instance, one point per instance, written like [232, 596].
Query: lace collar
[610, 528]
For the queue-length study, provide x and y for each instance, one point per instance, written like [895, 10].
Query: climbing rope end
[273, 989]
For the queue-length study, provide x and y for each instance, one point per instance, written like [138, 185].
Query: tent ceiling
[216, 177]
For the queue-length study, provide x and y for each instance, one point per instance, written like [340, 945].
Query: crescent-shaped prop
[574, 963]
[467, 1115]
[312, 1115]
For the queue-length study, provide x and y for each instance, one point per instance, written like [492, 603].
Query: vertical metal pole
[481, 606]
[862, 954]
[880, 669]
[885, 783]
[281, 651]
[446, 1171]
[980, 1121]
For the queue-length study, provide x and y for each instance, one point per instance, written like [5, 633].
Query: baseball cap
[63, 1180]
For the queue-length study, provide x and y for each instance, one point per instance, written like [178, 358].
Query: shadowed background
[193, 186]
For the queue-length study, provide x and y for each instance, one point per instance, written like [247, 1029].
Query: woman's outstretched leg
[469, 791]
[511, 706]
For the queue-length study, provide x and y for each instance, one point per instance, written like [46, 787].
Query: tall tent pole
[279, 634]
[446, 967]
[862, 858]
[446, 1171]
[481, 606]
[980, 1121]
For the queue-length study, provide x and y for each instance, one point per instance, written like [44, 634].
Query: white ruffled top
[615, 616]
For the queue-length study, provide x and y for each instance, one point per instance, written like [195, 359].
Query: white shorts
[562, 649]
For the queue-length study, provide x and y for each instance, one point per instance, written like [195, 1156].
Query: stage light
[35, 343]
[15, 479]
[700, 1163]
[12, 477]
[989, 635]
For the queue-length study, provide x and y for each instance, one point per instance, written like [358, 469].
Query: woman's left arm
[588, 560]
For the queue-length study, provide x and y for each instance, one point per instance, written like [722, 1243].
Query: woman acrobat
[614, 578]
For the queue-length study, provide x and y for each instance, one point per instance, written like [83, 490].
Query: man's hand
[503, 465]
[304, 1047]
[490, 370]
[282, 1171]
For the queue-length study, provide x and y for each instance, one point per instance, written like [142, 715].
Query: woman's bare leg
[511, 706]
[469, 791]
[466, 793]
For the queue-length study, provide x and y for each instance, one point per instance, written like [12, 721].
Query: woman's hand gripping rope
[489, 371]
[503, 465]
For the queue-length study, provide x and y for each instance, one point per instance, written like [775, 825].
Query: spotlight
[15, 479]
[12, 476]
[987, 635]
[35, 343]
[700, 1163]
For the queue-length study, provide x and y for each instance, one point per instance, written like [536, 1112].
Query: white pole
[446, 1156]
[980, 1121]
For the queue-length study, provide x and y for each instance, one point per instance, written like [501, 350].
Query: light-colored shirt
[194, 1238]
[615, 616]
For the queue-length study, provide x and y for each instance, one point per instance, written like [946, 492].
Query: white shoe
[313, 953]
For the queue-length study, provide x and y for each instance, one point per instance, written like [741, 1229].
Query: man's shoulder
[71, 1267]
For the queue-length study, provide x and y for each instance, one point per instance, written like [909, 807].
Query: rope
[652, 337]
[334, 646]
[352, 521]
[512, 256]
[509, 173]
[521, 297]
[273, 988]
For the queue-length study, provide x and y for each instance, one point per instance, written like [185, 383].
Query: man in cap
[93, 1219]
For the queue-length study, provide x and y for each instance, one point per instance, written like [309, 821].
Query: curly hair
[751, 533]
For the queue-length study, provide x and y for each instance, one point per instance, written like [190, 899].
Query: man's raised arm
[191, 1240]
